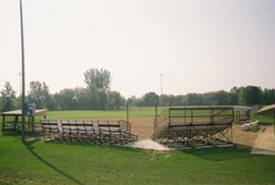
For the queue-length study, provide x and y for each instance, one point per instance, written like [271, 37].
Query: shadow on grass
[30, 148]
[101, 146]
[16, 134]
[28, 133]
[221, 154]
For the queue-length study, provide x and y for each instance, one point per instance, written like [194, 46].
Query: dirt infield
[144, 128]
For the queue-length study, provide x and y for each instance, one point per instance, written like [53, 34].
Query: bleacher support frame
[189, 127]
[93, 131]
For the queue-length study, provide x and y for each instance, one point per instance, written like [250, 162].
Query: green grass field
[88, 114]
[55, 163]
[263, 120]
[133, 112]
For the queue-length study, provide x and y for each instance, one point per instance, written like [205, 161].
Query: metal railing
[190, 125]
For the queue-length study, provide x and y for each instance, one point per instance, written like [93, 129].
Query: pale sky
[199, 45]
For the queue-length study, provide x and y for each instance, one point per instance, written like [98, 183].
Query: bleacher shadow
[16, 134]
[29, 147]
[117, 147]
[221, 154]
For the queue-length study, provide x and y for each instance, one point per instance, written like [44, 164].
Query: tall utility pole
[161, 83]
[23, 73]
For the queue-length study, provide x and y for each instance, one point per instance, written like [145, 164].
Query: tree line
[98, 96]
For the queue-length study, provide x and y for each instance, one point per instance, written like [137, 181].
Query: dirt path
[265, 142]
[149, 145]
[244, 138]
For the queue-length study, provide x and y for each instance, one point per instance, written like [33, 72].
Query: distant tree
[40, 95]
[269, 96]
[169, 100]
[193, 99]
[132, 100]
[17, 102]
[101, 100]
[250, 95]
[115, 100]
[83, 99]
[234, 93]
[7, 97]
[98, 79]
[140, 102]
[222, 97]
[66, 99]
[1, 103]
[150, 99]
[98, 82]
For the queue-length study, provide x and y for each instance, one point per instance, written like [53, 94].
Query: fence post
[127, 117]
[156, 123]
[156, 111]
[127, 111]
[169, 116]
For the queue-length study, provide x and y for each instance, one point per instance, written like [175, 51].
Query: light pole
[23, 73]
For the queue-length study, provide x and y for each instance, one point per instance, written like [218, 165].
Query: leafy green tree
[40, 95]
[101, 100]
[98, 82]
[193, 99]
[1, 104]
[269, 96]
[115, 100]
[98, 79]
[18, 102]
[150, 99]
[223, 97]
[66, 99]
[7, 97]
[83, 99]
[250, 95]
[234, 93]
[132, 100]
[169, 100]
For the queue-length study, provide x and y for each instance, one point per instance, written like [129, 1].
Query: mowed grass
[60, 163]
[54, 163]
[263, 120]
[75, 114]
[133, 112]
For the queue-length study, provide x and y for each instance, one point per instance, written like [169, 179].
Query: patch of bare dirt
[245, 138]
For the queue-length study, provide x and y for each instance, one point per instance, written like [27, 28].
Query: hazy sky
[199, 45]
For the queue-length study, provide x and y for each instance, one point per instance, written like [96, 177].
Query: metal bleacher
[98, 131]
[208, 126]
